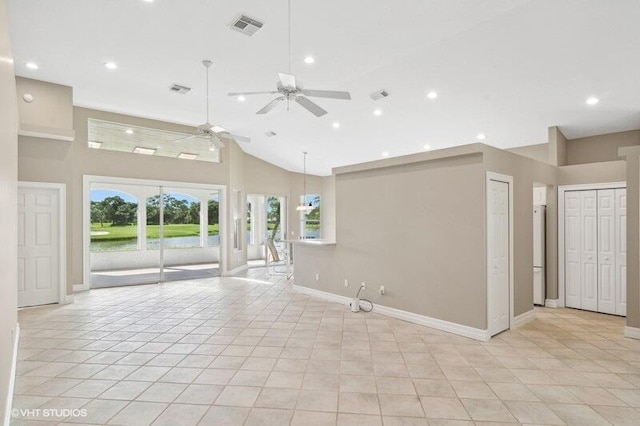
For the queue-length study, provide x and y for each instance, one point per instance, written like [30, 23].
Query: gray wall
[56, 100]
[600, 148]
[557, 147]
[417, 229]
[538, 152]
[8, 220]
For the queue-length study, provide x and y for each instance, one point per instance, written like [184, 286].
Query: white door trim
[87, 180]
[508, 180]
[561, 190]
[61, 188]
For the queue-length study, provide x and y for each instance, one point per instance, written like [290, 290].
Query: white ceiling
[506, 68]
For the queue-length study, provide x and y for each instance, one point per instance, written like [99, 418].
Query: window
[213, 219]
[181, 221]
[274, 218]
[109, 136]
[311, 220]
[250, 236]
[114, 221]
[237, 220]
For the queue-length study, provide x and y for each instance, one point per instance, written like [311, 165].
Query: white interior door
[589, 251]
[606, 252]
[38, 246]
[572, 203]
[498, 245]
[621, 250]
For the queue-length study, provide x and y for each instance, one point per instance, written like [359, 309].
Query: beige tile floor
[249, 350]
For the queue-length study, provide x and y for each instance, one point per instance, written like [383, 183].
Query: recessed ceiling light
[187, 156]
[129, 131]
[309, 60]
[336, 124]
[241, 98]
[95, 145]
[377, 112]
[426, 147]
[385, 154]
[142, 150]
[111, 65]
[432, 95]
[481, 136]
[32, 65]
[592, 100]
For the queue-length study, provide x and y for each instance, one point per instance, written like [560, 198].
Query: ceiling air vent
[246, 25]
[379, 94]
[180, 89]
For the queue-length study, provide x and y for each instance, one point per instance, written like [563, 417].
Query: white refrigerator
[539, 230]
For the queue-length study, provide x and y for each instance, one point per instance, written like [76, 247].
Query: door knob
[606, 258]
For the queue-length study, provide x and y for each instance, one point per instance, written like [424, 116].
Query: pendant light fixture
[302, 206]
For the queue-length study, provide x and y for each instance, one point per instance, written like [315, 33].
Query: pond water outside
[153, 243]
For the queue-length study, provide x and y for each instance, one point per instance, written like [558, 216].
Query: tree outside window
[311, 221]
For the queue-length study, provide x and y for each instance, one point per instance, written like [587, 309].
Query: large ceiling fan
[289, 90]
[214, 133]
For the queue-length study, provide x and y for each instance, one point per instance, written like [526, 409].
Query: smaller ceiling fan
[290, 91]
[214, 133]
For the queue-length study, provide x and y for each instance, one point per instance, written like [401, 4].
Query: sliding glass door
[144, 234]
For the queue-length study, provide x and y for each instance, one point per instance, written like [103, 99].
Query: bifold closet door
[572, 202]
[621, 250]
[589, 250]
[581, 247]
[606, 251]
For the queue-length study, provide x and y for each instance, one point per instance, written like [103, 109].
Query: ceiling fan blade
[288, 81]
[332, 94]
[185, 138]
[310, 106]
[217, 142]
[252, 93]
[271, 105]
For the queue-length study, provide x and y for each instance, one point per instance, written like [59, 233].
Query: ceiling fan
[289, 90]
[213, 132]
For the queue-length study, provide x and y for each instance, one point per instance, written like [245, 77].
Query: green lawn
[129, 232]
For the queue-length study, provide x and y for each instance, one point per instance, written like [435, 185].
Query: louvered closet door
[606, 251]
[589, 251]
[621, 250]
[572, 203]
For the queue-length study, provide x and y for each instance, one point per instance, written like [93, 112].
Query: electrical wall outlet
[317, 276]
[346, 282]
[381, 291]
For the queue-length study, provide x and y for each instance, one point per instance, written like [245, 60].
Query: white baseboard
[522, 319]
[236, 270]
[69, 298]
[12, 378]
[438, 324]
[552, 303]
[632, 332]
[78, 287]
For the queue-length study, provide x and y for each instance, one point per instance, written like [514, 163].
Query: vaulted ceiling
[505, 68]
